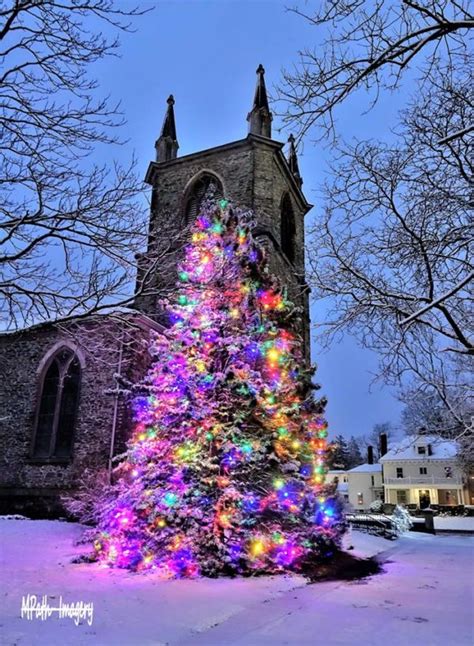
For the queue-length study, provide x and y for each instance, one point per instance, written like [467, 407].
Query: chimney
[370, 455]
[383, 444]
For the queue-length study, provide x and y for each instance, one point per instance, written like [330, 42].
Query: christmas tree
[224, 473]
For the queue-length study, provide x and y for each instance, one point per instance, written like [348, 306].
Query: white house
[422, 470]
[342, 481]
[365, 485]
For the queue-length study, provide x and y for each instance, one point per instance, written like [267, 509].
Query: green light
[247, 447]
[183, 275]
[182, 299]
[223, 203]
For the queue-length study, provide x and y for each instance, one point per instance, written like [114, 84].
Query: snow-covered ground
[442, 523]
[454, 523]
[424, 596]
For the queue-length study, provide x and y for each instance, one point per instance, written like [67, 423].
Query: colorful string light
[224, 472]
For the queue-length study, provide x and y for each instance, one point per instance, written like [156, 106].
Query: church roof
[116, 312]
[169, 124]
[293, 160]
[260, 100]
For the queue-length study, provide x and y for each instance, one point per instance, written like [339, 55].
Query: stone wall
[104, 347]
[253, 175]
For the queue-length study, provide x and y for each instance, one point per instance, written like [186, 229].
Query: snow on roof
[366, 468]
[106, 311]
[407, 449]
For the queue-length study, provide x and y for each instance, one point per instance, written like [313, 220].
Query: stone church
[61, 414]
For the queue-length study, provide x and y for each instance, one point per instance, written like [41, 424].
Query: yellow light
[273, 354]
[200, 366]
[278, 483]
[257, 548]
[234, 312]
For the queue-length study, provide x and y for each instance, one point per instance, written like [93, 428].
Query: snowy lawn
[454, 523]
[423, 597]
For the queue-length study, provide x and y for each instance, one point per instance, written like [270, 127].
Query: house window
[422, 450]
[448, 472]
[423, 471]
[59, 396]
[360, 498]
[399, 472]
[402, 497]
[448, 497]
[287, 228]
[204, 186]
[372, 480]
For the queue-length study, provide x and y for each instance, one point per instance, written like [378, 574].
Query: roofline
[240, 143]
[421, 458]
[141, 318]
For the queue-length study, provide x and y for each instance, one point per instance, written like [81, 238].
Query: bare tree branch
[69, 229]
[393, 252]
[367, 46]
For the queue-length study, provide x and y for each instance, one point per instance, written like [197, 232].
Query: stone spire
[293, 161]
[260, 117]
[166, 145]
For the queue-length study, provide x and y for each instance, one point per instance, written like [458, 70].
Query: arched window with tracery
[57, 406]
[288, 228]
[205, 184]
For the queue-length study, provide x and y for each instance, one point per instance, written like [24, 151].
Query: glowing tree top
[225, 469]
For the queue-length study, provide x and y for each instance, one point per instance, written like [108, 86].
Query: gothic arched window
[205, 184]
[287, 229]
[57, 407]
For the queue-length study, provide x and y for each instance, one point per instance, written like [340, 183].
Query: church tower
[252, 173]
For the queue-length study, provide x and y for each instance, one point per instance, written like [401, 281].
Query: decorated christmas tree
[224, 473]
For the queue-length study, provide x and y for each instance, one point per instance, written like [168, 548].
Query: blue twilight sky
[205, 52]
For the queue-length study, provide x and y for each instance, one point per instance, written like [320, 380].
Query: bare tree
[69, 229]
[425, 412]
[373, 438]
[369, 46]
[393, 252]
